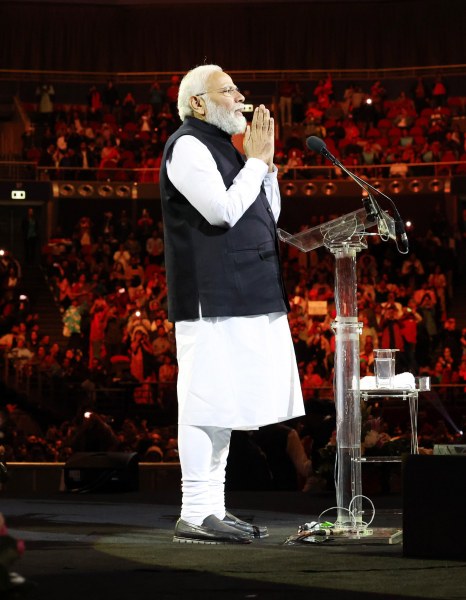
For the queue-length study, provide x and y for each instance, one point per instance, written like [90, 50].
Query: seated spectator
[366, 356]
[133, 246]
[423, 291]
[144, 227]
[122, 256]
[87, 161]
[155, 248]
[409, 322]
[438, 282]
[368, 331]
[398, 168]
[412, 271]
[311, 381]
[123, 227]
[72, 320]
[162, 344]
[134, 270]
[99, 314]
[79, 290]
[20, 353]
[439, 92]
[167, 370]
[450, 337]
[324, 92]
[117, 274]
[404, 119]
[334, 112]
[293, 162]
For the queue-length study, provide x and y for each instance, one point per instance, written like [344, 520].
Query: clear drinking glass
[384, 367]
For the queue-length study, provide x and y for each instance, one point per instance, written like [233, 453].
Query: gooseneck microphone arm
[316, 144]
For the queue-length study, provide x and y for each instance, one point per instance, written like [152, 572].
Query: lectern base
[374, 536]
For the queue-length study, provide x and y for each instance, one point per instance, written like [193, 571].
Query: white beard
[224, 119]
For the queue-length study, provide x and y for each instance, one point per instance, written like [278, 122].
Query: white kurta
[234, 372]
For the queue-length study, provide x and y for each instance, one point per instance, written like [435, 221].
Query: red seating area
[137, 132]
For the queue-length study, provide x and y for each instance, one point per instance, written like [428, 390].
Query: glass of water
[384, 367]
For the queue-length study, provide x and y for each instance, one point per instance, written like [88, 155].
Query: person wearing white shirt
[226, 296]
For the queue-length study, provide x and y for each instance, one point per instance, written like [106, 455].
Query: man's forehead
[219, 79]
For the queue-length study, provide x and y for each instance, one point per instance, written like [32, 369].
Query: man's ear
[198, 107]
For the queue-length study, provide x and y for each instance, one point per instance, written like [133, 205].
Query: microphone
[316, 144]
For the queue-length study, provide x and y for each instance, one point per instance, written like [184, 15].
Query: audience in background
[109, 135]
[110, 285]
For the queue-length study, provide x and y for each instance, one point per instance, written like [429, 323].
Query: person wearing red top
[99, 315]
[439, 92]
[408, 325]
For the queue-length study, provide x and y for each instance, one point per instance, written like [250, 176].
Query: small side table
[410, 394]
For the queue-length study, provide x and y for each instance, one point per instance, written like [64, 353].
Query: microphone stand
[347, 368]
[399, 225]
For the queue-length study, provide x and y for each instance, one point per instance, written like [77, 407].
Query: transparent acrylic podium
[345, 237]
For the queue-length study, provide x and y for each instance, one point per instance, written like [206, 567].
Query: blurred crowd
[368, 127]
[106, 137]
[364, 126]
[89, 432]
[109, 282]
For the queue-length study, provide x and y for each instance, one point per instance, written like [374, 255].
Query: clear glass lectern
[345, 237]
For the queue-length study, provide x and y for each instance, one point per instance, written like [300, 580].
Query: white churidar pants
[234, 373]
[203, 455]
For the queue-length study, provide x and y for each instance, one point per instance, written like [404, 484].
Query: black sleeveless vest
[228, 271]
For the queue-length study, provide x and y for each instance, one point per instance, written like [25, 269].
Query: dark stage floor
[86, 547]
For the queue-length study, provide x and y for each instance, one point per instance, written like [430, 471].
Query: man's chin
[241, 127]
[231, 123]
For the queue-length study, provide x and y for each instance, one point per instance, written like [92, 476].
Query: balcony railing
[240, 75]
[30, 171]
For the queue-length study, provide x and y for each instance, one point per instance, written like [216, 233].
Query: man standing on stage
[237, 368]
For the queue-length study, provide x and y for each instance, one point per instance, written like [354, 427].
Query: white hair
[192, 84]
